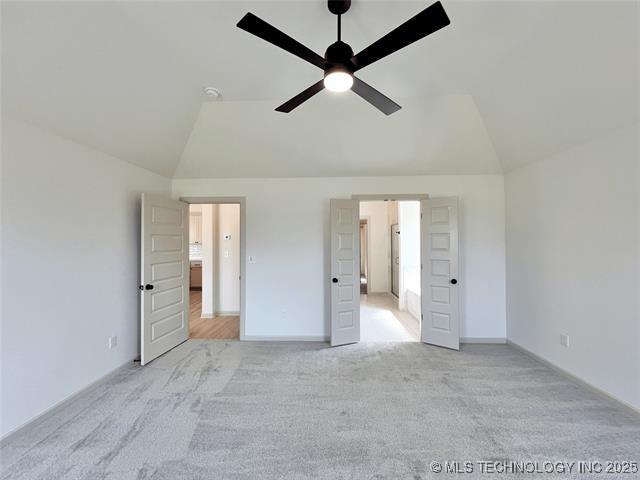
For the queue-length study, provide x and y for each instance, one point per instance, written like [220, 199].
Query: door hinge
[421, 317]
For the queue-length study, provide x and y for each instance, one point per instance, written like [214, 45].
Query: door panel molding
[345, 271]
[164, 310]
[440, 278]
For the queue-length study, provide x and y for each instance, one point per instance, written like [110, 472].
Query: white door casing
[395, 259]
[345, 271]
[165, 275]
[440, 272]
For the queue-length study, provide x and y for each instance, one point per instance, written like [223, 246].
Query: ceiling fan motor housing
[338, 55]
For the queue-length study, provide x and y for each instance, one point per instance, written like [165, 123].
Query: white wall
[409, 221]
[70, 263]
[209, 260]
[377, 216]
[228, 223]
[573, 261]
[288, 233]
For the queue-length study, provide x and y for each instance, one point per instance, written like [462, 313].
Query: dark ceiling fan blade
[374, 97]
[430, 20]
[302, 97]
[271, 34]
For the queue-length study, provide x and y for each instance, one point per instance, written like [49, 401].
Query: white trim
[486, 340]
[51, 411]
[242, 201]
[583, 383]
[210, 315]
[367, 219]
[286, 338]
[389, 197]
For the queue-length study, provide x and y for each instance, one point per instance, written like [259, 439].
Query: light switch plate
[564, 340]
[252, 259]
[113, 341]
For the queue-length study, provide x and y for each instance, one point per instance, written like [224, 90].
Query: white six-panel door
[440, 275]
[165, 275]
[345, 272]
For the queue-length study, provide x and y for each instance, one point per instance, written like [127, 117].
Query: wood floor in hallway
[224, 327]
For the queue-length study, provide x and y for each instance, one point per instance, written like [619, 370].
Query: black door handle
[334, 280]
[453, 281]
[148, 286]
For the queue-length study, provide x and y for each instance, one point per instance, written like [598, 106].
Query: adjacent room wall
[376, 213]
[409, 221]
[573, 261]
[288, 234]
[228, 258]
[70, 253]
[209, 260]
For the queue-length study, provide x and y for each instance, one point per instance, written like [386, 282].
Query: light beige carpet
[234, 410]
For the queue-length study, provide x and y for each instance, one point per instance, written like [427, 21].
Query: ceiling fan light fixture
[338, 81]
[339, 63]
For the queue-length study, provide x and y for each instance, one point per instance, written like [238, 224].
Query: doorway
[214, 271]
[428, 283]
[390, 305]
[173, 291]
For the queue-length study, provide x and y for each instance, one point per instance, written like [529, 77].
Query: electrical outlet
[113, 341]
[564, 340]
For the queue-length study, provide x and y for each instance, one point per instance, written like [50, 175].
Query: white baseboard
[285, 338]
[492, 340]
[209, 315]
[574, 379]
[51, 411]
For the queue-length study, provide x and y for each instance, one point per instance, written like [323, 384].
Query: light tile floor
[381, 321]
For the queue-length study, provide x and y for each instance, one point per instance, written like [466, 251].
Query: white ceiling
[507, 83]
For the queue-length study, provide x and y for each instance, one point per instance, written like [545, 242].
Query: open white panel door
[345, 272]
[440, 263]
[165, 275]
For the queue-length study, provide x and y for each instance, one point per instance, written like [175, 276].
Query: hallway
[223, 327]
[381, 321]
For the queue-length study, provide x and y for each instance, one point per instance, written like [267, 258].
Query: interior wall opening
[390, 292]
[214, 279]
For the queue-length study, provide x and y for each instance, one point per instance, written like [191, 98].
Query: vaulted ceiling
[506, 84]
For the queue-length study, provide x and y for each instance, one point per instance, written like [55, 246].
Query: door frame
[391, 260]
[411, 197]
[242, 201]
[367, 224]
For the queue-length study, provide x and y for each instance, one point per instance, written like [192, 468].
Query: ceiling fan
[339, 62]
